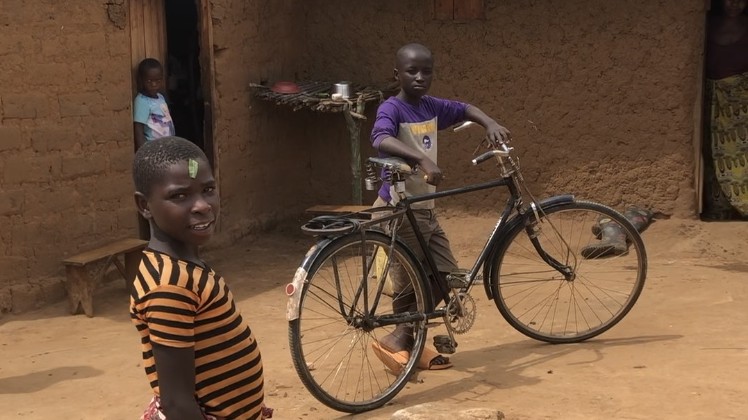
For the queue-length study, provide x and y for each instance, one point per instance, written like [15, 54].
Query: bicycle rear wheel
[333, 340]
[594, 286]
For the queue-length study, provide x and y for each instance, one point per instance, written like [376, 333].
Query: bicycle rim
[334, 357]
[541, 302]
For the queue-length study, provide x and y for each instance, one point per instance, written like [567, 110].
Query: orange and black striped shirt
[177, 303]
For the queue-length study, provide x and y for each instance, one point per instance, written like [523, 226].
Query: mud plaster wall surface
[65, 140]
[598, 94]
[599, 101]
[273, 162]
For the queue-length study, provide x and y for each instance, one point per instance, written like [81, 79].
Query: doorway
[184, 86]
[173, 31]
[722, 158]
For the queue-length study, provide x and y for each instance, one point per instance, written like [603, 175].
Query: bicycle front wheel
[357, 292]
[571, 276]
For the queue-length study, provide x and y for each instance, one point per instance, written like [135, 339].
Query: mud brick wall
[273, 162]
[599, 94]
[65, 141]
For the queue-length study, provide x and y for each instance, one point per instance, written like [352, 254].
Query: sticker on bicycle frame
[293, 290]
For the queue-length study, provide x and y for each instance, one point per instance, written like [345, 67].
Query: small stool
[84, 271]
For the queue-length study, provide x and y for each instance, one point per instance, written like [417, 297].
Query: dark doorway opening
[724, 124]
[184, 84]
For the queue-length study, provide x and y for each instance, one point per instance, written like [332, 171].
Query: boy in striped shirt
[201, 358]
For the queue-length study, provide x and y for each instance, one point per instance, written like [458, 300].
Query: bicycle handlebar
[491, 153]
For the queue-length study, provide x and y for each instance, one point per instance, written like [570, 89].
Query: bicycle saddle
[393, 163]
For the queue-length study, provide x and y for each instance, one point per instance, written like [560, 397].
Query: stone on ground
[432, 411]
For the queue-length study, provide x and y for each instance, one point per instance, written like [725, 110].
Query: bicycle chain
[460, 324]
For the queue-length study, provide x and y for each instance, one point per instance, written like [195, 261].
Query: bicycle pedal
[444, 344]
[434, 324]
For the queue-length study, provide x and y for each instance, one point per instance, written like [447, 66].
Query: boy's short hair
[413, 46]
[152, 159]
[147, 64]
[143, 67]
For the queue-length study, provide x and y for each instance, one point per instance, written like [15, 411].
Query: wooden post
[354, 130]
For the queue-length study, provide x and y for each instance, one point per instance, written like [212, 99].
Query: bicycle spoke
[333, 350]
[591, 295]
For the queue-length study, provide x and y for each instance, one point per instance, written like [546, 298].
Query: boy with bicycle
[406, 126]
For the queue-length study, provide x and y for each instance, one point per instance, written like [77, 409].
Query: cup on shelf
[341, 88]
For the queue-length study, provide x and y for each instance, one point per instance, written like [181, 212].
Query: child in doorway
[406, 126]
[200, 357]
[151, 117]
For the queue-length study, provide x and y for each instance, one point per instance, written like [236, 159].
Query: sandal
[394, 361]
[428, 359]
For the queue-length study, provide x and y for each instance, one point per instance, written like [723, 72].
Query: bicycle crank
[461, 312]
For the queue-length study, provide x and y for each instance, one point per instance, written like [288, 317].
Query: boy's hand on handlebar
[496, 133]
[431, 173]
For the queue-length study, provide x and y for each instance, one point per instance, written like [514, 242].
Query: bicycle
[536, 264]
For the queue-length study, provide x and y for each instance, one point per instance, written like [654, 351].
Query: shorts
[433, 235]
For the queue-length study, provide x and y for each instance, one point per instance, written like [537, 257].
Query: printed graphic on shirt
[419, 129]
[161, 124]
[420, 136]
[426, 142]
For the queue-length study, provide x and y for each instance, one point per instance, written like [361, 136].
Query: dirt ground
[682, 352]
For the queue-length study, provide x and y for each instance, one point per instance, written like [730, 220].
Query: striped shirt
[176, 303]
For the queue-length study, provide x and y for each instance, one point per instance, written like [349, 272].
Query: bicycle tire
[327, 348]
[540, 302]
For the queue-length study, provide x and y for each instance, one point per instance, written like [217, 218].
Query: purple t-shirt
[416, 126]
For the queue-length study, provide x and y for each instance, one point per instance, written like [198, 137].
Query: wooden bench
[84, 271]
[324, 209]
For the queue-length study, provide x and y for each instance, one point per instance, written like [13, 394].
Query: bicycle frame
[403, 207]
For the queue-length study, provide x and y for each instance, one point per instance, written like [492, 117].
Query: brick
[5, 234]
[41, 202]
[28, 234]
[127, 219]
[110, 129]
[81, 226]
[11, 70]
[114, 187]
[11, 202]
[25, 297]
[117, 100]
[49, 138]
[74, 45]
[31, 169]
[6, 301]
[78, 104]
[80, 166]
[118, 45]
[120, 160]
[53, 290]
[19, 42]
[47, 262]
[10, 138]
[48, 74]
[29, 105]
[108, 73]
[14, 267]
